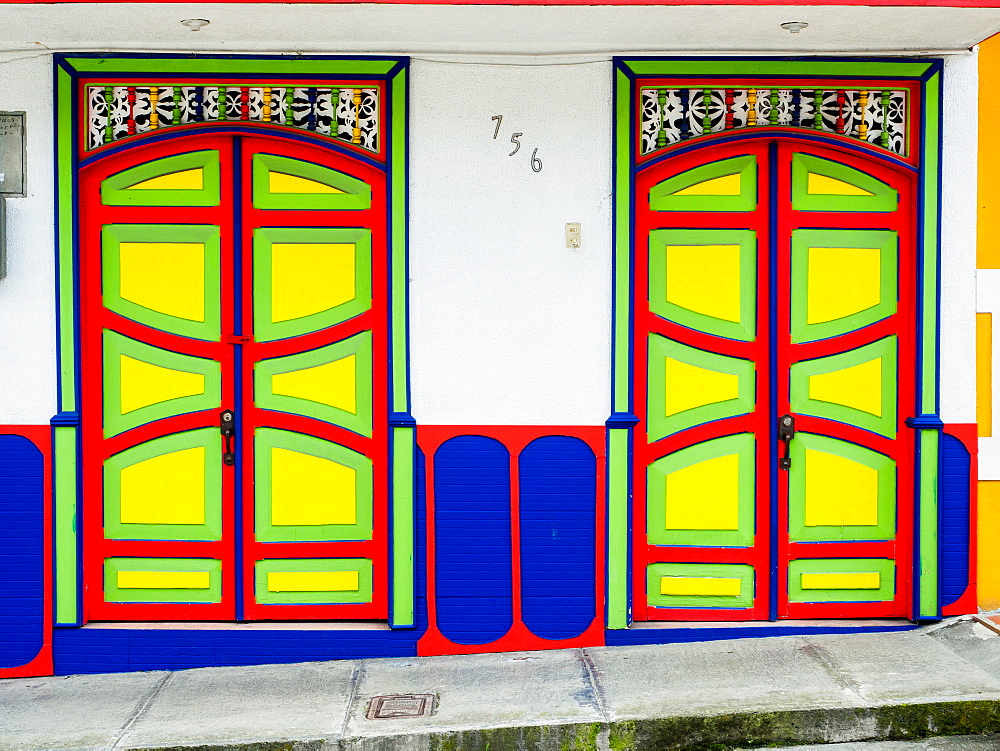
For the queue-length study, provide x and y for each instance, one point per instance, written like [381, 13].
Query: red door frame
[771, 516]
[94, 318]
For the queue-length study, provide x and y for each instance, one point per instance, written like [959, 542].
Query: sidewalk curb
[714, 732]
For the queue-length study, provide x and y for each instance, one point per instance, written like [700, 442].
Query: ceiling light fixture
[195, 24]
[794, 27]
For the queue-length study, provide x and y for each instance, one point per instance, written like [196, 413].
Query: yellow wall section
[166, 277]
[279, 182]
[308, 278]
[189, 179]
[163, 580]
[313, 581]
[988, 218]
[842, 282]
[333, 384]
[988, 568]
[697, 585]
[839, 491]
[688, 386]
[830, 186]
[984, 374]
[727, 185]
[705, 279]
[143, 384]
[705, 495]
[864, 580]
[308, 490]
[859, 386]
[167, 489]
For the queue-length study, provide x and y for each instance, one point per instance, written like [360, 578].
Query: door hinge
[237, 339]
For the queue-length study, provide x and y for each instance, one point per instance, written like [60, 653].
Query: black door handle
[786, 432]
[227, 425]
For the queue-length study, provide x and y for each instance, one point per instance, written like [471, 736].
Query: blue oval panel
[22, 596]
[558, 484]
[473, 587]
[953, 532]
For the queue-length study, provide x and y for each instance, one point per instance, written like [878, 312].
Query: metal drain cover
[400, 705]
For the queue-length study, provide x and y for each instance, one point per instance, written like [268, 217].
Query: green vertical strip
[289, 101]
[706, 119]
[927, 503]
[221, 101]
[622, 270]
[618, 500]
[772, 115]
[927, 568]
[817, 110]
[66, 570]
[399, 179]
[403, 449]
[67, 300]
[403, 438]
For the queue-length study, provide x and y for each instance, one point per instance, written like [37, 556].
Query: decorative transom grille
[875, 116]
[347, 114]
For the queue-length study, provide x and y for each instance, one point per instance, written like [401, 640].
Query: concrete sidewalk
[942, 680]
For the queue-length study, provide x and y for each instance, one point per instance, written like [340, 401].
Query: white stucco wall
[958, 240]
[508, 325]
[27, 295]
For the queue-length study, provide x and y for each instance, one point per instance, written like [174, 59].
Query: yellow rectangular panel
[988, 524]
[842, 282]
[699, 586]
[309, 490]
[984, 374]
[705, 279]
[165, 489]
[840, 492]
[166, 277]
[988, 216]
[163, 580]
[308, 278]
[312, 581]
[705, 495]
[864, 580]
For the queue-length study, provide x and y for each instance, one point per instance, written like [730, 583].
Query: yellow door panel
[705, 279]
[831, 186]
[842, 282]
[279, 182]
[166, 489]
[859, 387]
[308, 490]
[164, 580]
[727, 185]
[189, 179]
[166, 277]
[333, 384]
[143, 384]
[705, 495]
[697, 585]
[861, 580]
[313, 581]
[308, 278]
[839, 491]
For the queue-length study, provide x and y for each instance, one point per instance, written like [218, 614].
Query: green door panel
[705, 279]
[689, 386]
[725, 185]
[319, 581]
[839, 491]
[703, 495]
[700, 585]
[143, 383]
[332, 383]
[841, 580]
[164, 275]
[310, 490]
[822, 185]
[190, 179]
[842, 280]
[174, 580]
[280, 182]
[309, 278]
[169, 488]
[857, 387]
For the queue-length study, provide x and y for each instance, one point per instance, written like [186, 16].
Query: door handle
[227, 426]
[786, 432]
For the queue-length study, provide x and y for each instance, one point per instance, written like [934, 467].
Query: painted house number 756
[536, 163]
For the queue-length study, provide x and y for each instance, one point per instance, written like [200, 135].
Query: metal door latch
[786, 432]
[227, 425]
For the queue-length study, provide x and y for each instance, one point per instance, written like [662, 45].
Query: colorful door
[774, 367]
[234, 373]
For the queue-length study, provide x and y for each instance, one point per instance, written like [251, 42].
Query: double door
[233, 337]
[774, 369]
